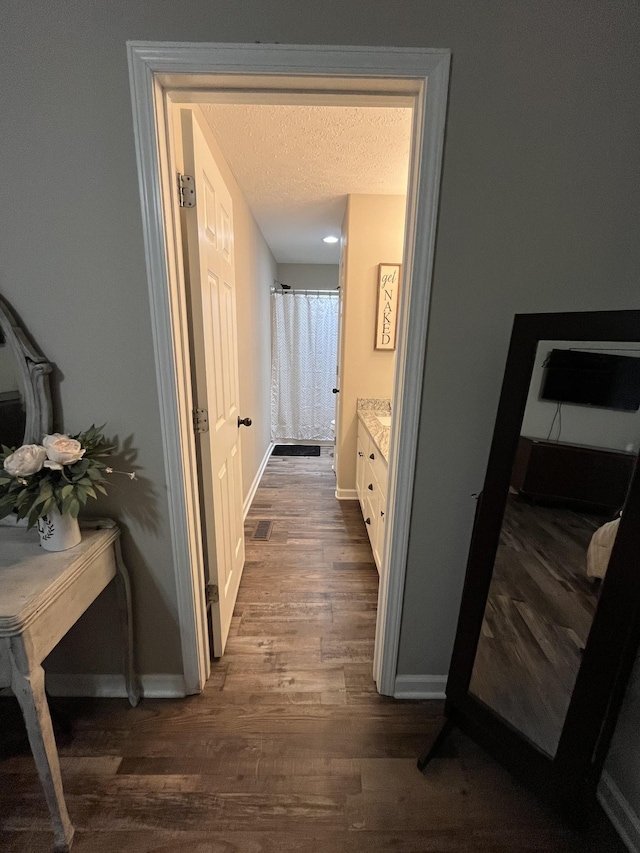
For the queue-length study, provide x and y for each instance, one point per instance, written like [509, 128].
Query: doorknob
[335, 390]
[244, 422]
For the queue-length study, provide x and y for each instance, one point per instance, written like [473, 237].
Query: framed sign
[387, 306]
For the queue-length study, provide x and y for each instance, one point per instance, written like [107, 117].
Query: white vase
[58, 532]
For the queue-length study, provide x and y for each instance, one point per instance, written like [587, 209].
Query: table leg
[123, 586]
[29, 691]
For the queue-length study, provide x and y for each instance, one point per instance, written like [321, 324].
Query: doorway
[339, 169]
[420, 75]
[304, 352]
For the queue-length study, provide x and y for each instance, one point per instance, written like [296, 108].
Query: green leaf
[66, 490]
[66, 504]
[40, 499]
[47, 507]
[74, 508]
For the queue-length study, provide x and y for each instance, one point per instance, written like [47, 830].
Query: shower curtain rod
[305, 291]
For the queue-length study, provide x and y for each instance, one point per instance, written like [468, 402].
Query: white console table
[42, 594]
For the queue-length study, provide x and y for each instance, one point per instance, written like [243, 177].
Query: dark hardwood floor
[289, 748]
[537, 619]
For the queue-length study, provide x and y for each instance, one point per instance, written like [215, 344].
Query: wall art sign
[387, 307]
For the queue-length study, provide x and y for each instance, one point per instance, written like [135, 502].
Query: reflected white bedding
[599, 550]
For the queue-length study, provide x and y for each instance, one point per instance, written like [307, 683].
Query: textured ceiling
[297, 164]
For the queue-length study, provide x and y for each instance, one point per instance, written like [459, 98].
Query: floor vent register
[263, 530]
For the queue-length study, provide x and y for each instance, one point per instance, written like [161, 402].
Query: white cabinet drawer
[368, 513]
[362, 445]
[371, 485]
[379, 468]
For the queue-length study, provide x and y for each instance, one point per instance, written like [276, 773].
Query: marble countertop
[370, 410]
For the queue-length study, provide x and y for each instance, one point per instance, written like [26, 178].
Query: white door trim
[422, 72]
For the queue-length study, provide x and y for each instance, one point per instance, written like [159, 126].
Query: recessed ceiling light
[330, 239]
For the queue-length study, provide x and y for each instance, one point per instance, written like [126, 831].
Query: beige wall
[373, 233]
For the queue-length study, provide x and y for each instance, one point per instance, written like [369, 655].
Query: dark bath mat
[296, 450]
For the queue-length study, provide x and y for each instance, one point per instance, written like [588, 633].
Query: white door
[210, 272]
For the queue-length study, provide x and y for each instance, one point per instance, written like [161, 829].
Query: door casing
[281, 71]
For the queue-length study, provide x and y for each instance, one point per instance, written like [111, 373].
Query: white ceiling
[297, 164]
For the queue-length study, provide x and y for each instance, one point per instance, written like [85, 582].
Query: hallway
[289, 748]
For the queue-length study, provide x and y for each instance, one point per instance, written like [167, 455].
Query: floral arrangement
[61, 473]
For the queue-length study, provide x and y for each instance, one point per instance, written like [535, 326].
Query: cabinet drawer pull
[381, 513]
[370, 487]
[371, 456]
[360, 453]
[367, 521]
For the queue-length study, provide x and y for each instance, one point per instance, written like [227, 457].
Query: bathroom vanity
[372, 469]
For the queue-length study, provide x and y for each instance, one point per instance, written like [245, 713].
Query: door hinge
[200, 420]
[213, 596]
[186, 191]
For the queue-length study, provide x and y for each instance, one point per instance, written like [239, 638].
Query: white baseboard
[619, 812]
[256, 481]
[161, 686]
[420, 686]
[346, 494]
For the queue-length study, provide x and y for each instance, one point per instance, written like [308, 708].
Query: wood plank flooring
[289, 748]
[537, 620]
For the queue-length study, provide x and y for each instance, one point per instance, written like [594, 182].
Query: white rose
[26, 460]
[61, 450]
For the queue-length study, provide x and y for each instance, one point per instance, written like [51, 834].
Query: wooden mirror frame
[34, 372]
[571, 776]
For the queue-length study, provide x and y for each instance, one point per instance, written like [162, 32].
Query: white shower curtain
[304, 347]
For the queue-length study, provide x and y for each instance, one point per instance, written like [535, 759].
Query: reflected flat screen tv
[592, 379]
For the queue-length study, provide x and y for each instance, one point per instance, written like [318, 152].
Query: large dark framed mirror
[550, 616]
[25, 398]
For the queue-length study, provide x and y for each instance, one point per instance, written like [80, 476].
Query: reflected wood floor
[289, 748]
[537, 619]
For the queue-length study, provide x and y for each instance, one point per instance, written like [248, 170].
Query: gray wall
[539, 212]
[309, 276]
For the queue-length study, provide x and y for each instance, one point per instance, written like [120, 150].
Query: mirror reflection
[576, 454]
[12, 404]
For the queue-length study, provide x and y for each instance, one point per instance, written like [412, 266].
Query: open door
[208, 235]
